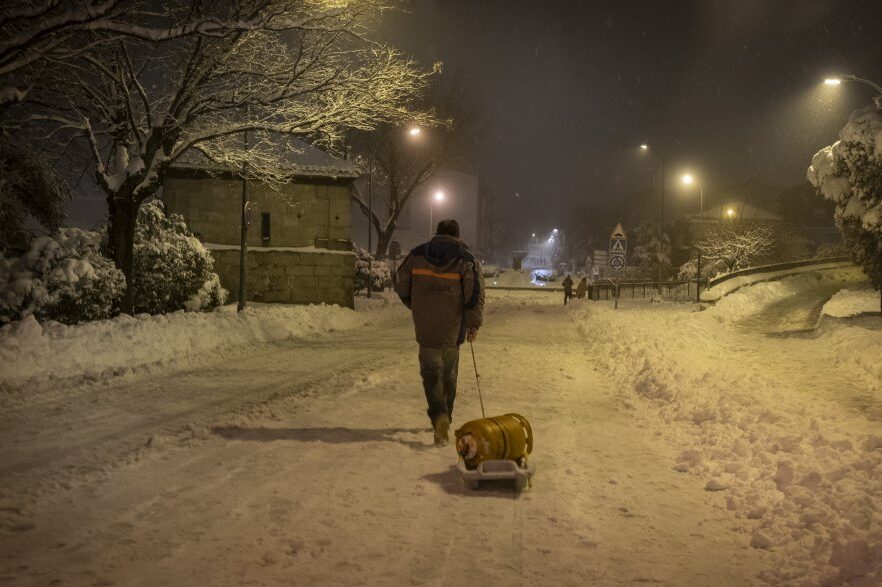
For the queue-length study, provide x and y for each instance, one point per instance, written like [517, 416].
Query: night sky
[730, 90]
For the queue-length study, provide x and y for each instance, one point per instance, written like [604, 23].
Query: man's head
[448, 227]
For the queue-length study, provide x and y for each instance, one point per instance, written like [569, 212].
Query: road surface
[310, 463]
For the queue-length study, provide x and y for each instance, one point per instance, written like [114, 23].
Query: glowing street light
[730, 212]
[688, 179]
[414, 131]
[644, 147]
[554, 231]
[439, 196]
[835, 81]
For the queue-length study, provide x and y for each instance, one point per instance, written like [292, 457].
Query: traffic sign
[616, 262]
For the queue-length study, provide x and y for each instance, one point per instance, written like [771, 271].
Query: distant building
[299, 247]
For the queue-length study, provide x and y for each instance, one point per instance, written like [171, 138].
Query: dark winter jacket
[568, 284]
[441, 282]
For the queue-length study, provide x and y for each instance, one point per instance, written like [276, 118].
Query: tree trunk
[121, 232]
[383, 240]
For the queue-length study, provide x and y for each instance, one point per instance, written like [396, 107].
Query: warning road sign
[618, 246]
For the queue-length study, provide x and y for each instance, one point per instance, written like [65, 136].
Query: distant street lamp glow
[414, 131]
[534, 235]
[688, 179]
[835, 81]
[439, 196]
[554, 231]
[832, 81]
[644, 147]
[730, 212]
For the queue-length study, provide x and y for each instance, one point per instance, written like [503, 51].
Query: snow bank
[727, 287]
[749, 299]
[766, 424]
[850, 302]
[30, 351]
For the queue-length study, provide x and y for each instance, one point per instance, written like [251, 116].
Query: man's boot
[442, 425]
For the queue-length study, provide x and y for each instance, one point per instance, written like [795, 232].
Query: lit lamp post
[436, 197]
[835, 81]
[413, 131]
[688, 179]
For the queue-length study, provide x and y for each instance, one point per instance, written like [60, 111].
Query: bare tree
[303, 72]
[737, 244]
[402, 164]
[35, 32]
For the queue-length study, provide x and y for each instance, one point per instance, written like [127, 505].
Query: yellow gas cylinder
[507, 437]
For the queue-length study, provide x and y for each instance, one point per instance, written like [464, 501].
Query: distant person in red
[441, 282]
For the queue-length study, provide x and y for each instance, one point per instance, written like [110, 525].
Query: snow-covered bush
[381, 275]
[489, 270]
[172, 269]
[827, 250]
[63, 277]
[710, 268]
[849, 174]
[737, 244]
[651, 250]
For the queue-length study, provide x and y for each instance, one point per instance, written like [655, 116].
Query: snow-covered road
[302, 463]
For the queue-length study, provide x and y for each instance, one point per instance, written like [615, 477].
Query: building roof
[297, 157]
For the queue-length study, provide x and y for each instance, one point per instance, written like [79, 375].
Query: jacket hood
[442, 250]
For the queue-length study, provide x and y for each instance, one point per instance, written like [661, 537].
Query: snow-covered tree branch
[738, 244]
[303, 73]
[849, 174]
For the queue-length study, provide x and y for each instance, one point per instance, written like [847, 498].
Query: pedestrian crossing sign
[618, 246]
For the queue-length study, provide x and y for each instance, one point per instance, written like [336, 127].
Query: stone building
[299, 244]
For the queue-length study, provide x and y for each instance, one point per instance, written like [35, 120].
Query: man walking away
[568, 288]
[440, 281]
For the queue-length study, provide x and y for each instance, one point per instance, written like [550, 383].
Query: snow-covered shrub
[651, 250]
[172, 269]
[849, 174]
[63, 277]
[381, 275]
[489, 270]
[827, 250]
[737, 244]
[709, 269]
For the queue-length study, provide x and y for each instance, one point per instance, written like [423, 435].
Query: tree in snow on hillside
[736, 244]
[63, 277]
[651, 249]
[303, 72]
[849, 174]
[29, 189]
[173, 270]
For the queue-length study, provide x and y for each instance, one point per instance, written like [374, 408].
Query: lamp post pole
[661, 205]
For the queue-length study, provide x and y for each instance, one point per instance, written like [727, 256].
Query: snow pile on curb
[31, 351]
[851, 302]
[733, 284]
[802, 474]
[749, 299]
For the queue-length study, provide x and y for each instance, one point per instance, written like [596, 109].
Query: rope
[477, 380]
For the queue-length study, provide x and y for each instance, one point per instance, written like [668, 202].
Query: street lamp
[730, 212]
[413, 131]
[436, 197]
[688, 179]
[835, 81]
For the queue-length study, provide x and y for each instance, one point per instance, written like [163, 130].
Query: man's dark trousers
[439, 368]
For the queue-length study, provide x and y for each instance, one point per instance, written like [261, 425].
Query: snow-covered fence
[723, 285]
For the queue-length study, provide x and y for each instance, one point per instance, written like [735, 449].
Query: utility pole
[243, 238]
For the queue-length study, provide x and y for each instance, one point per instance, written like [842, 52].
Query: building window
[264, 226]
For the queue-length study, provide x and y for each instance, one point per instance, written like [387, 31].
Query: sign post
[618, 250]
